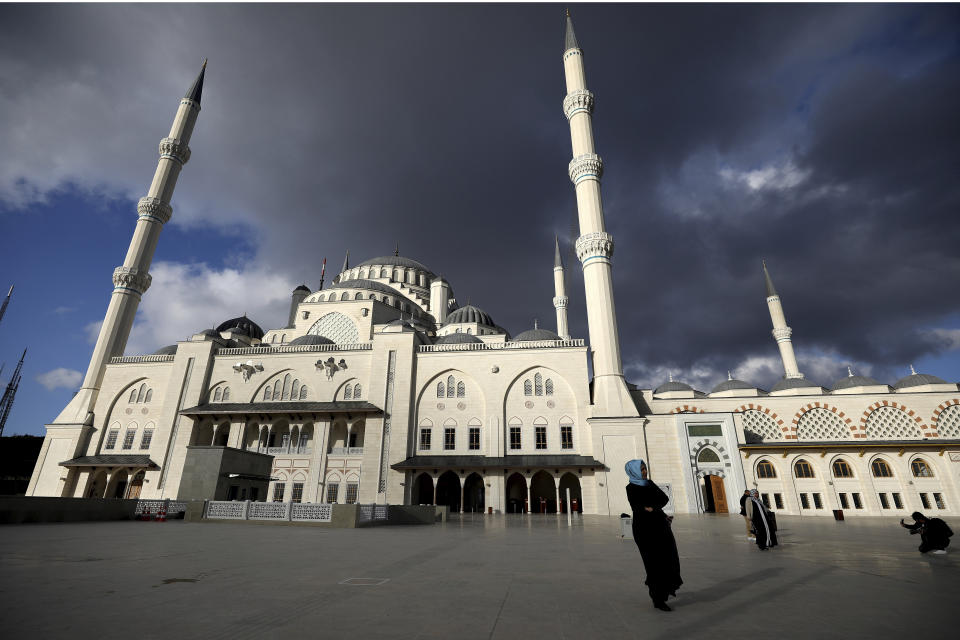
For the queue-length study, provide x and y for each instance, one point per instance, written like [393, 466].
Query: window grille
[145, 439]
[267, 393]
[112, 439]
[333, 488]
[802, 469]
[566, 437]
[226, 394]
[817, 501]
[128, 438]
[921, 469]
[778, 500]
[278, 491]
[303, 392]
[474, 438]
[449, 438]
[804, 501]
[276, 390]
[765, 497]
[925, 500]
[881, 469]
[842, 470]
[149, 396]
[143, 390]
[897, 501]
[527, 388]
[286, 388]
[451, 389]
[548, 386]
[844, 503]
[216, 395]
[133, 396]
[295, 389]
[938, 498]
[352, 488]
[765, 469]
[883, 501]
[425, 438]
[514, 437]
[347, 392]
[461, 390]
[541, 437]
[857, 502]
[538, 385]
[356, 391]
[297, 494]
[440, 390]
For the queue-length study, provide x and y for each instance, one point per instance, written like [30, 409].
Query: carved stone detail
[586, 167]
[782, 333]
[175, 149]
[560, 302]
[591, 245]
[579, 100]
[129, 278]
[154, 209]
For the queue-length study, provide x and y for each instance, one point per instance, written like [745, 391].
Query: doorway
[714, 496]
[473, 494]
[423, 489]
[448, 491]
[516, 494]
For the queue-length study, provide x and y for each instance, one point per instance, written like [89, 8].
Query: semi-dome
[793, 383]
[470, 313]
[213, 333]
[731, 384]
[918, 379]
[673, 385]
[395, 261]
[532, 335]
[849, 382]
[369, 285]
[244, 325]
[169, 350]
[458, 338]
[310, 339]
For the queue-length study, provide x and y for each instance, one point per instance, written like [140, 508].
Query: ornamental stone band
[782, 333]
[586, 167]
[560, 302]
[597, 244]
[154, 209]
[175, 149]
[132, 279]
[577, 101]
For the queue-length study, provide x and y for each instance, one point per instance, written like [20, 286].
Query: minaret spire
[594, 247]
[781, 332]
[132, 278]
[560, 299]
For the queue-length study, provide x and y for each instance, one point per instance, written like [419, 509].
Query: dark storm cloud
[823, 138]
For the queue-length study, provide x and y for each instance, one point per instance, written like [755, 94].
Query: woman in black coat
[651, 532]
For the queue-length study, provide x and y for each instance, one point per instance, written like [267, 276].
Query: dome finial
[729, 375]
[849, 372]
[536, 325]
[670, 376]
[396, 251]
[913, 371]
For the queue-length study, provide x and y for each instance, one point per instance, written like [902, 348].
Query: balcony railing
[346, 451]
[139, 359]
[296, 348]
[502, 346]
[289, 451]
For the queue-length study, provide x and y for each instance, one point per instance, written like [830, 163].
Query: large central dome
[396, 261]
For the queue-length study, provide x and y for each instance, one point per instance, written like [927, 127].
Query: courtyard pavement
[474, 577]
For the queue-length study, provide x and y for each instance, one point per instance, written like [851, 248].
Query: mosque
[381, 388]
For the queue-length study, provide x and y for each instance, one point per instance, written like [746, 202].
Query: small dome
[169, 350]
[458, 338]
[309, 339]
[302, 287]
[729, 385]
[918, 379]
[470, 313]
[532, 335]
[793, 383]
[243, 324]
[673, 385]
[848, 382]
[210, 332]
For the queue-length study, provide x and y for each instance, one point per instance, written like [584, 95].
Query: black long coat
[654, 538]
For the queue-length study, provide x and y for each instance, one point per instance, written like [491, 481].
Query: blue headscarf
[634, 473]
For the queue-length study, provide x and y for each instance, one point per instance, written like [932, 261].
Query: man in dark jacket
[934, 532]
[743, 512]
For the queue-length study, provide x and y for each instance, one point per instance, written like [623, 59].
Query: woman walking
[651, 532]
[762, 522]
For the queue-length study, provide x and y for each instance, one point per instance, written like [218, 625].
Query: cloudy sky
[822, 138]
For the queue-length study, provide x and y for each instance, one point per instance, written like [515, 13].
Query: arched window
[765, 469]
[140, 394]
[276, 390]
[286, 388]
[538, 385]
[708, 455]
[469, 330]
[548, 386]
[451, 389]
[149, 395]
[283, 338]
[802, 469]
[921, 469]
[295, 389]
[267, 393]
[461, 390]
[133, 395]
[216, 394]
[842, 470]
[527, 388]
[358, 296]
[356, 391]
[344, 296]
[303, 392]
[226, 394]
[881, 469]
[383, 273]
[440, 392]
[347, 392]
[273, 339]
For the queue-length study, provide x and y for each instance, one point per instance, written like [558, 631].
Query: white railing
[296, 348]
[152, 507]
[278, 511]
[288, 451]
[346, 451]
[139, 359]
[494, 346]
[370, 512]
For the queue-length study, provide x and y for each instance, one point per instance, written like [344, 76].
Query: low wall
[22, 510]
[343, 516]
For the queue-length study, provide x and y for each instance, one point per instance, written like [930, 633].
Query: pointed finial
[729, 375]
[766, 274]
[570, 38]
[849, 372]
[535, 324]
[346, 261]
[204, 64]
[913, 371]
[568, 11]
[396, 251]
[670, 375]
[193, 93]
[557, 261]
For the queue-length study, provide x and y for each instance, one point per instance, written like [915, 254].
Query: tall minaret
[781, 332]
[132, 279]
[594, 246]
[560, 299]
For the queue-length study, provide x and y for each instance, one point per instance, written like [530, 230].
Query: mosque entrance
[543, 493]
[571, 482]
[516, 494]
[714, 496]
[134, 492]
[448, 491]
[97, 485]
[423, 489]
[473, 494]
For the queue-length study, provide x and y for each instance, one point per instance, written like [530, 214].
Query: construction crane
[6, 403]
[6, 301]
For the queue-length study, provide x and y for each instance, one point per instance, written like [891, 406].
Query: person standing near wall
[743, 512]
[651, 532]
[764, 525]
